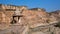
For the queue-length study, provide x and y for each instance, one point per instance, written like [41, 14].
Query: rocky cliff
[26, 19]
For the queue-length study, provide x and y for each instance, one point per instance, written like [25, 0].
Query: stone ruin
[21, 20]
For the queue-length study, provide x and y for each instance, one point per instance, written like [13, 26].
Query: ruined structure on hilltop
[26, 18]
[7, 12]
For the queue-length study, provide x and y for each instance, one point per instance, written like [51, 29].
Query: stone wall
[30, 21]
[12, 7]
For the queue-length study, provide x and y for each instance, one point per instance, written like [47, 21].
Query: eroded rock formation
[26, 18]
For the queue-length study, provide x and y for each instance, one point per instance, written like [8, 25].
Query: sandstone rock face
[56, 14]
[29, 21]
[35, 17]
[4, 21]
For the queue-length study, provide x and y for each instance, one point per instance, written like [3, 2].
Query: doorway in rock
[16, 18]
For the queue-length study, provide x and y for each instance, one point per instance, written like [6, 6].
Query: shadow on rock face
[57, 25]
[13, 22]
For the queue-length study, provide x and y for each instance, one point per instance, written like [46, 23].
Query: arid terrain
[22, 20]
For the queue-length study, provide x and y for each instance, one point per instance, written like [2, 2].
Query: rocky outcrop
[56, 14]
[31, 21]
[38, 17]
[4, 21]
[35, 17]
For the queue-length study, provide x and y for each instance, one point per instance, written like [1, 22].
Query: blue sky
[49, 5]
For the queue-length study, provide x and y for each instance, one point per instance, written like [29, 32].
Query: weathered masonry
[21, 20]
